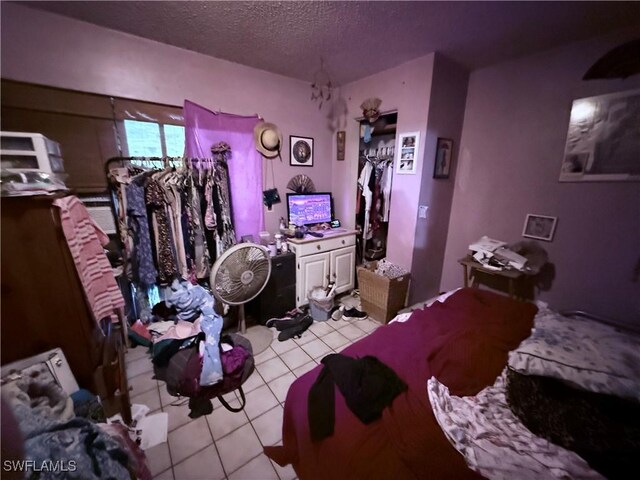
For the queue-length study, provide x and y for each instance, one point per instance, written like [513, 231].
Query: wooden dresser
[43, 303]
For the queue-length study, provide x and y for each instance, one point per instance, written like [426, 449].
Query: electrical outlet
[422, 211]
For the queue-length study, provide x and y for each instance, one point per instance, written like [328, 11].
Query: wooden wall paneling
[86, 142]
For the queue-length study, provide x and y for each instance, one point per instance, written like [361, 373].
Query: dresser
[43, 303]
[323, 260]
[279, 295]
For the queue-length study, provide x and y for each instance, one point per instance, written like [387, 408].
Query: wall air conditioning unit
[20, 151]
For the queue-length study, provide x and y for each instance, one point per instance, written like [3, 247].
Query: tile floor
[226, 445]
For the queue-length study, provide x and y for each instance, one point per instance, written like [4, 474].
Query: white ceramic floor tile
[259, 401]
[264, 356]
[257, 469]
[268, 426]
[306, 337]
[335, 340]
[254, 381]
[351, 332]
[368, 325]
[337, 324]
[167, 399]
[281, 347]
[272, 369]
[178, 416]
[188, 439]
[295, 358]
[151, 399]
[203, 465]
[231, 398]
[280, 386]
[158, 458]
[238, 448]
[222, 421]
[298, 372]
[166, 475]
[343, 348]
[321, 328]
[141, 384]
[138, 367]
[317, 348]
[135, 353]
[284, 473]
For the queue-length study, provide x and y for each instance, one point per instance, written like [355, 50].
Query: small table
[469, 265]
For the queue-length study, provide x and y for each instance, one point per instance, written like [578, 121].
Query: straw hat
[268, 139]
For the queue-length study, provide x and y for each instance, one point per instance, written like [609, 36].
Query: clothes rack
[173, 218]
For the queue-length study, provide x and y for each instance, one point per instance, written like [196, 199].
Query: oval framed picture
[300, 151]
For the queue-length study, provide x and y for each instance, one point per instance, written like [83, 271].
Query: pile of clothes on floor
[60, 435]
[187, 348]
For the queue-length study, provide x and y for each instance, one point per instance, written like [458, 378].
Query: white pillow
[583, 353]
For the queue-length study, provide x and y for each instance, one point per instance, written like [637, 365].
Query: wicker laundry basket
[381, 297]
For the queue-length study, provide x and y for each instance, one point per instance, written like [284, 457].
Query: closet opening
[375, 176]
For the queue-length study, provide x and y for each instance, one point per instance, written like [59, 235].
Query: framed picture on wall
[444, 154]
[602, 140]
[540, 227]
[407, 153]
[301, 151]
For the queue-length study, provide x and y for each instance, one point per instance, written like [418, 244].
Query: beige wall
[405, 88]
[513, 141]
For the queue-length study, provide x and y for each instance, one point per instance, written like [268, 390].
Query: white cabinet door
[343, 265]
[313, 271]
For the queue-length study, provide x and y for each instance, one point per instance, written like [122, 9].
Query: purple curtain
[203, 129]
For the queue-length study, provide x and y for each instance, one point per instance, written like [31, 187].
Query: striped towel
[85, 239]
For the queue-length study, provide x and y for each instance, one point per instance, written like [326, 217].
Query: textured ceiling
[355, 39]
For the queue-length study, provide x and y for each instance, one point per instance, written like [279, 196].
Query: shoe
[297, 330]
[337, 313]
[272, 322]
[285, 322]
[354, 314]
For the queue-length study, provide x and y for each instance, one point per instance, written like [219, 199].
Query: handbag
[182, 374]
[270, 196]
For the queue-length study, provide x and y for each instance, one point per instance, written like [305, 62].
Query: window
[174, 140]
[147, 139]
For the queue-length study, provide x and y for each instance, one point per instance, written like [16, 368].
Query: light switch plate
[422, 211]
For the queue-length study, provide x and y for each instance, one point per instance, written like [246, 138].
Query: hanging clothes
[363, 183]
[174, 222]
[222, 198]
[145, 272]
[204, 128]
[165, 252]
[385, 185]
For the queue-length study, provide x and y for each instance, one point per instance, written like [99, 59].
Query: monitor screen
[309, 208]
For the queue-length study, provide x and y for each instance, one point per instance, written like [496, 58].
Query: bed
[464, 343]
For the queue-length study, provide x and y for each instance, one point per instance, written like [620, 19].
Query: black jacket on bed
[366, 383]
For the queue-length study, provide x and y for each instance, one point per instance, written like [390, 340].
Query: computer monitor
[309, 208]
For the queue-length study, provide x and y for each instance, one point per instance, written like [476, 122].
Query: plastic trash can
[320, 305]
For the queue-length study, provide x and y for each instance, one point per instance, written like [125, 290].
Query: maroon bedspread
[463, 343]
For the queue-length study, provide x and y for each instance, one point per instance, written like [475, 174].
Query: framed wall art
[407, 153]
[341, 137]
[301, 151]
[444, 155]
[540, 227]
[602, 140]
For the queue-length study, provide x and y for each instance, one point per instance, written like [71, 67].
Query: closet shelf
[386, 130]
